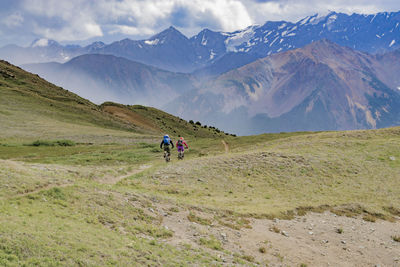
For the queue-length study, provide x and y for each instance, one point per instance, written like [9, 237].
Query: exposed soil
[226, 146]
[131, 117]
[116, 179]
[313, 240]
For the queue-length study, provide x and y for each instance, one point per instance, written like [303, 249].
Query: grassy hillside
[274, 177]
[104, 196]
[31, 108]
[157, 121]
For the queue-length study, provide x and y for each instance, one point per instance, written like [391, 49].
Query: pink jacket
[183, 143]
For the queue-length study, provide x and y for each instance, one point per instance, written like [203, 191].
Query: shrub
[275, 229]
[193, 218]
[369, 218]
[191, 122]
[396, 238]
[198, 123]
[211, 243]
[52, 143]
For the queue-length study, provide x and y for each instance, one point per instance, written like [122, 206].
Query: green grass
[332, 169]
[85, 226]
[57, 150]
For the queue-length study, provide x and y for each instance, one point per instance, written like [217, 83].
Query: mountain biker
[166, 142]
[179, 145]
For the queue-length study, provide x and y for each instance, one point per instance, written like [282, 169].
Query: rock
[276, 220]
[223, 235]
[200, 180]
[392, 158]
[343, 242]
[152, 210]
[285, 233]
[311, 233]
[325, 241]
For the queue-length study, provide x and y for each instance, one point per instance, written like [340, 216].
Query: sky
[85, 21]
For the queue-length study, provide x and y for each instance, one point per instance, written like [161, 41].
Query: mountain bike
[167, 156]
[181, 155]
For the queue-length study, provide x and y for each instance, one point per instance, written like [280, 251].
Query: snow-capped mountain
[367, 33]
[217, 52]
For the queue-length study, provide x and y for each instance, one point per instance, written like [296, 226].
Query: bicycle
[167, 156]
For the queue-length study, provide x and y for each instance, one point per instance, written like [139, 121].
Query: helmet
[166, 135]
[181, 138]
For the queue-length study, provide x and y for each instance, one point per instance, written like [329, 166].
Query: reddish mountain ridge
[322, 86]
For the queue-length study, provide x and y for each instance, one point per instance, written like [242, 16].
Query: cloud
[294, 10]
[79, 20]
[13, 20]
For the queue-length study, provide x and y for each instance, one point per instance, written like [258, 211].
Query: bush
[396, 238]
[191, 122]
[198, 123]
[53, 143]
[211, 243]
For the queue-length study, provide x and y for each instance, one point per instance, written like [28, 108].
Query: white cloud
[41, 42]
[128, 30]
[294, 10]
[13, 20]
[64, 20]
[80, 19]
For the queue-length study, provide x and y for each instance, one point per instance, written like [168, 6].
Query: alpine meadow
[291, 133]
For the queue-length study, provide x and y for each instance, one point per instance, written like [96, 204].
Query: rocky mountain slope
[321, 86]
[103, 78]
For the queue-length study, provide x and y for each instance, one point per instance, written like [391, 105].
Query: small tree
[198, 123]
[191, 122]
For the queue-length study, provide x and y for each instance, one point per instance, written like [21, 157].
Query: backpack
[180, 142]
[167, 140]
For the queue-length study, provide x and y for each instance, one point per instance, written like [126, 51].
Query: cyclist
[180, 146]
[166, 142]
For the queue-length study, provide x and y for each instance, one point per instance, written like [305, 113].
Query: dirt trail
[116, 179]
[106, 180]
[226, 146]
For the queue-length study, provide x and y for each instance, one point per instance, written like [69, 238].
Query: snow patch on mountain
[152, 42]
[212, 54]
[204, 41]
[240, 37]
[40, 43]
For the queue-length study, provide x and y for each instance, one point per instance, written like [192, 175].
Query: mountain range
[109, 78]
[208, 51]
[322, 86]
[332, 72]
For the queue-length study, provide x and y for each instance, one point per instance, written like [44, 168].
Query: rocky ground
[317, 239]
